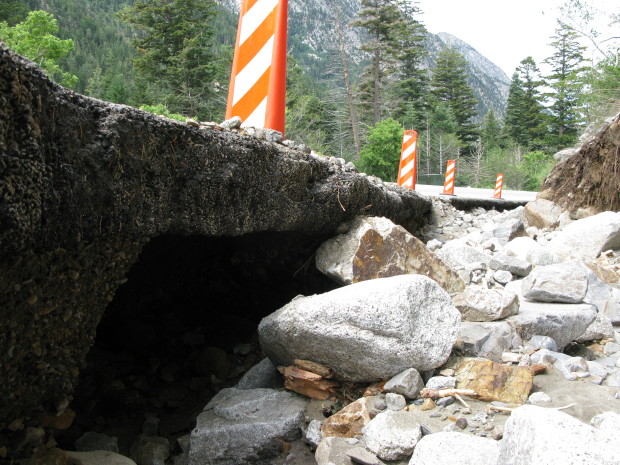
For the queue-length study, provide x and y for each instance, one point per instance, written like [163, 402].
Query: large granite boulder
[377, 248]
[366, 331]
[85, 184]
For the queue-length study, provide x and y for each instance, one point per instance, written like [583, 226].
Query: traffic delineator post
[448, 183]
[407, 169]
[257, 92]
[499, 184]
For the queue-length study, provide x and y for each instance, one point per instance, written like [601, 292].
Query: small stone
[61, 422]
[395, 401]
[232, 123]
[349, 421]
[149, 450]
[511, 357]
[362, 456]
[498, 432]
[380, 404]
[312, 435]
[192, 122]
[461, 422]
[150, 427]
[441, 382]
[425, 430]
[92, 440]
[502, 276]
[271, 135]
[428, 404]
[16, 425]
[408, 383]
[611, 348]
[541, 342]
[539, 398]
[445, 401]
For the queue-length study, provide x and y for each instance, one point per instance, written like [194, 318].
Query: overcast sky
[503, 31]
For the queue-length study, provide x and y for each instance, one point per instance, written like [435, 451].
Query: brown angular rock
[348, 422]
[375, 247]
[492, 381]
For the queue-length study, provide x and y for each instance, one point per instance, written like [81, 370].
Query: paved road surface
[470, 192]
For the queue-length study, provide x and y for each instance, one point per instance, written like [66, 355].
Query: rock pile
[527, 300]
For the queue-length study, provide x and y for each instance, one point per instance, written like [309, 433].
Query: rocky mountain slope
[312, 41]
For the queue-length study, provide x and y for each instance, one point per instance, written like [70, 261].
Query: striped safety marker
[499, 183]
[408, 162]
[257, 92]
[448, 183]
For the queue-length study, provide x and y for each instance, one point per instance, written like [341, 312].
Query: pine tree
[175, 52]
[412, 88]
[566, 82]
[491, 131]
[515, 122]
[383, 20]
[449, 85]
[525, 120]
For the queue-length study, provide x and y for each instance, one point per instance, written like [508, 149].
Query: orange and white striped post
[499, 183]
[407, 170]
[448, 183]
[257, 92]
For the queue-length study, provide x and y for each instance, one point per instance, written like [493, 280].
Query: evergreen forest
[173, 57]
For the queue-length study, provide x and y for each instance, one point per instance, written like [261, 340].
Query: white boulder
[368, 330]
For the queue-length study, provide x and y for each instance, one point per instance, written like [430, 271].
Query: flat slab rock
[366, 331]
[495, 382]
[563, 323]
[245, 427]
